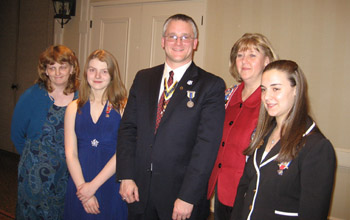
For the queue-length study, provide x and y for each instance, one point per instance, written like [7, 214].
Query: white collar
[178, 74]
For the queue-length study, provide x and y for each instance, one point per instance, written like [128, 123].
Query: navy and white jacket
[300, 191]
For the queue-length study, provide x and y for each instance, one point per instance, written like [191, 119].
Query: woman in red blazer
[249, 55]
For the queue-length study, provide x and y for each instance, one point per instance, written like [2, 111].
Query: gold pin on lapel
[181, 87]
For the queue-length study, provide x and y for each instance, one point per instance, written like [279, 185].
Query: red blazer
[241, 119]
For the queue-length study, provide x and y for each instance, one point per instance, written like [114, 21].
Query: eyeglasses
[173, 38]
[58, 67]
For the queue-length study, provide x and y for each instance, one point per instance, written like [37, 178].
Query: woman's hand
[85, 191]
[92, 206]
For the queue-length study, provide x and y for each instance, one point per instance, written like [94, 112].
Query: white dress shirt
[178, 74]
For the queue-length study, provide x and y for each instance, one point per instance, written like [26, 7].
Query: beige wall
[314, 33]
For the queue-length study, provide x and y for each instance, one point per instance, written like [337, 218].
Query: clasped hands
[129, 192]
[86, 194]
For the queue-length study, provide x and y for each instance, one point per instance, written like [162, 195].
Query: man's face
[178, 43]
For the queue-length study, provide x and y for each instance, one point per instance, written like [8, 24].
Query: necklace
[274, 136]
[274, 141]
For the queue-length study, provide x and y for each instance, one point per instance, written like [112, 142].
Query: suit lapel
[271, 156]
[154, 94]
[187, 82]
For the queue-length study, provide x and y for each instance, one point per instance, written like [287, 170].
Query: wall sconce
[64, 9]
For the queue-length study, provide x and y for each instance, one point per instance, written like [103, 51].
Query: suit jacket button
[219, 165]
[223, 143]
[231, 123]
[250, 207]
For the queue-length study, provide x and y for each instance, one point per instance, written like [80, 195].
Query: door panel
[132, 32]
[109, 37]
[116, 29]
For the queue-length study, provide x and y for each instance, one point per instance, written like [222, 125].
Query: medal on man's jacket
[190, 95]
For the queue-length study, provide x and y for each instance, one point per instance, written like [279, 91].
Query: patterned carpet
[8, 184]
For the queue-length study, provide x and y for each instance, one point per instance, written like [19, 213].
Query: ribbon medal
[168, 91]
[190, 95]
[282, 166]
[108, 109]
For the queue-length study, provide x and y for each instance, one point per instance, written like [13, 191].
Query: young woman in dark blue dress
[91, 128]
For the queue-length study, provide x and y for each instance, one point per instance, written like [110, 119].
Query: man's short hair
[181, 17]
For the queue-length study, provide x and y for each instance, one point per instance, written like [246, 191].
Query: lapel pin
[189, 82]
[282, 166]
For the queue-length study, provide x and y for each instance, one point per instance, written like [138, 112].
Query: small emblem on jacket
[282, 166]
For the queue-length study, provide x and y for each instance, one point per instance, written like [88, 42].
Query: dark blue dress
[96, 145]
[42, 172]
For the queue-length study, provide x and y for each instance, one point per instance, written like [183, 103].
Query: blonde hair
[250, 40]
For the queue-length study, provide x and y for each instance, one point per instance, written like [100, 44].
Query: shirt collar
[178, 72]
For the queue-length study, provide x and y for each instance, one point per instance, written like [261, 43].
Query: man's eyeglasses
[173, 38]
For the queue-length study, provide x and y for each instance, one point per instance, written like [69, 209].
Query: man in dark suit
[168, 140]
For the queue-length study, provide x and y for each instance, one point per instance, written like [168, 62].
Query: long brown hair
[115, 92]
[58, 54]
[250, 41]
[294, 125]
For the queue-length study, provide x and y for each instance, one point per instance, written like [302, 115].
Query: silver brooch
[94, 143]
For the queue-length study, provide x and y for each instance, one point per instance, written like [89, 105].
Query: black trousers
[200, 211]
[221, 211]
